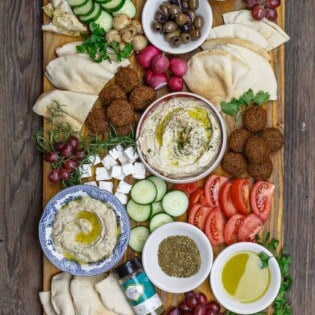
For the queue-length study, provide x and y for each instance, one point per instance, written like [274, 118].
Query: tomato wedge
[212, 188]
[231, 228]
[261, 198]
[214, 226]
[188, 189]
[195, 196]
[198, 215]
[203, 200]
[240, 195]
[249, 228]
[225, 200]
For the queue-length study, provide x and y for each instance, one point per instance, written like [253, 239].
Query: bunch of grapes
[264, 9]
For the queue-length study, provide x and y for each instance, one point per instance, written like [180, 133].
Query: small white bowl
[157, 39]
[153, 269]
[229, 303]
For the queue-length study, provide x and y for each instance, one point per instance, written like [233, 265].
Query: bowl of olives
[177, 26]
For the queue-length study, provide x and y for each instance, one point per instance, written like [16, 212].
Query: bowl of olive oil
[245, 278]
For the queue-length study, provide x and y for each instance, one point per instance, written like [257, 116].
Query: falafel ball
[97, 121]
[142, 96]
[274, 139]
[127, 79]
[234, 164]
[238, 138]
[125, 129]
[255, 118]
[111, 93]
[261, 171]
[120, 113]
[256, 149]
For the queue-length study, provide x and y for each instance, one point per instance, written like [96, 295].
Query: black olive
[195, 33]
[185, 37]
[169, 27]
[185, 5]
[191, 15]
[193, 4]
[160, 17]
[181, 19]
[185, 28]
[164, 10]
[199, 21]
[158, 27]
[175, 41]
[174, 9]
[169, 36]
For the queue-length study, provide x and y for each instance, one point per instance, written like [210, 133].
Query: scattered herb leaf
[261, 98]
[264, 258]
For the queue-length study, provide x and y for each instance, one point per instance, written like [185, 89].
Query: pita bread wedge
[270, 30]
[212, 43]
[218, 76]
[78, 74]
[77, 106]
[241, 31]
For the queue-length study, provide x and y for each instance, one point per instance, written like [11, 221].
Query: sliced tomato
[249, 228]
[188, 189]
[212, 188]
[195, 196]
[225, 200]
[240, 195]
[261, 198]
[214, 226]
[203, 200]
[231, 228]
[198, 215]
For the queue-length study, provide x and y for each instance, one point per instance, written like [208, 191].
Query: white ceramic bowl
[157, 39]
[196, 175]
[224, 299]
[153, 269]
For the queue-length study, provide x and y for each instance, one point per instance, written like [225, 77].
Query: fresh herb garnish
[122, 53]
[264, 258]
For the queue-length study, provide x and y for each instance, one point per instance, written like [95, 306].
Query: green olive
[175, 41]
[169, 36]
[195, 33]
[158, 27]
[181, 19]
[191, 15]
[199, 21]
[169, 27]
[185, 37]
[173, 10]
[185, 5]
[164, 9]
[193, 4]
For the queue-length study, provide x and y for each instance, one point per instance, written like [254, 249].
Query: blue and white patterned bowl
[47, 220]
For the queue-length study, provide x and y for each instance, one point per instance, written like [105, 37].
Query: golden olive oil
[243, 278]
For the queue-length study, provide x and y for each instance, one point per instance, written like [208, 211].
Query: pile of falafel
[121, 101]
[251, 146]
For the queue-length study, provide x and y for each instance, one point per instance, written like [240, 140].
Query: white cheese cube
[119, 147]
[123, 158]
[116, 172]
[135, 157]
[128, 169]
[109, 162]
[92, 183]
[114, 153]
[121, 197]
[124, 187]
[85, 170]
[130, 151]
[102, 173]
[94, 159]
[108, 186]
[139, 170]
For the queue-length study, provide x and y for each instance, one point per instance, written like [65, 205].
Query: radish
[155, 80]
[178, 66]
[160, 63]
[175, 83]
[146, 55]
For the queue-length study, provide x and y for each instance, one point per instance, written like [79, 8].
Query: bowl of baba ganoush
[181, 137]
[84, 230]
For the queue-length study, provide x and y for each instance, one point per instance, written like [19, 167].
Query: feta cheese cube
[119, 147]
[92, 183]
[109, 162]
[130, 151]
[121, 197]
[114, 153]
[116, 172]
[85, 170]
[124, 187]
[94, 159]
[127, 169]
[108, 186]
[123, 158]
[139, 170]
[102, 173]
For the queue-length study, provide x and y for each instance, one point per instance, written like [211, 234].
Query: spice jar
[138, 288]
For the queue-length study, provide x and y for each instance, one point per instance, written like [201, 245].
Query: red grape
[59, 146]
[200, 310]
[74, 141]
[213, 306]
[174, 311]
[67, 150]
[54, 176]
[210, 312]
[251, 3]
[80, 155]
[258, 12]
[192, 301]
[71, 165]
[64, 174]
[271, 14]
[272, 4]
[190, 293]
[187, 313]
[183, 307]
[202, 298]
[51, 157]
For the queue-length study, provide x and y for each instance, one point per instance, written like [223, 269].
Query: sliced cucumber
[143, 192]
[102, 1]
[138, 237]
[156, 207]
[85, 9]
[161, 187]
[77, 3]
[105, 21]
[113, 5]
[137, 212]
[93, 16]
[175, 203]
[128, 8]
[159, 220]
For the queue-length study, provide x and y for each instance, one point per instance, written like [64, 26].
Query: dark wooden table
[20, 170]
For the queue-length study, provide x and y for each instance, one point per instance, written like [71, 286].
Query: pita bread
[212, 43]
[218, 76]
[240, 31]
[270, 30]
[78, 74]
[45, 299]
[259, 65]
[77, 106]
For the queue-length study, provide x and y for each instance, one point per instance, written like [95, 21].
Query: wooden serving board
[275, 118]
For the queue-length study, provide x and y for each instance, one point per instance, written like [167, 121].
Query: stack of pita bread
[235, 59]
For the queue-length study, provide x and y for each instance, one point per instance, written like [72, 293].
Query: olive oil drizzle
[94, 233]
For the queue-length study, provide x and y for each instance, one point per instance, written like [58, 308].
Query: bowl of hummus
[181, 137]
[84, 230]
